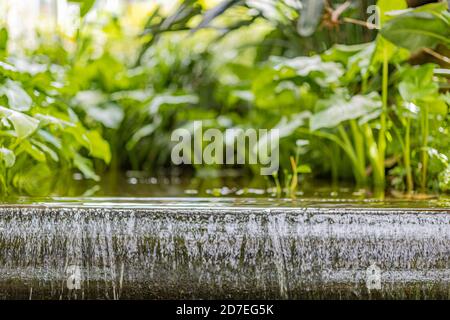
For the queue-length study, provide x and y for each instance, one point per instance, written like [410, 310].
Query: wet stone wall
[152, 253]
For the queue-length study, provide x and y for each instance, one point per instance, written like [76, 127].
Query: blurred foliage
[347, 99]
[40, 134]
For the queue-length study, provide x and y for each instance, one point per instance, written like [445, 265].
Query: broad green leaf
[46, 149]
[324, 73]
[18, 98]
[341, 110]
[93, 141]
[421, 28]
[343, 53]
[98, 147]
[24, 125]
[27, 147]
[386, 7]
[110, 116]
[269, 90]
[8, 157]
[85, 166]
[394, 54]
[382, 46]
[418, 87]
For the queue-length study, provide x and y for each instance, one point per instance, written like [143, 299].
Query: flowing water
[110, 248]
[137, 236]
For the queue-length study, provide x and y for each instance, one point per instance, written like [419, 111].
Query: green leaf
[394, 54]
[85, 166]
[46, 149]
[304, 169]
[48, 137]
[18, 99]
[85, 6]
[110, 116]
[340, 110]
[324, 73]
[98, 147]
[93, 141]
[24, 125]
[3, 41]
[387, 7]
[425, 27]
[8, 157]
[46, 120]
[417, 84]
[27, 147]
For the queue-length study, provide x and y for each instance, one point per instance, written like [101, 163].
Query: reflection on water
[138, 189]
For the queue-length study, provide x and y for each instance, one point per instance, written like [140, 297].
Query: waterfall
[176, 251]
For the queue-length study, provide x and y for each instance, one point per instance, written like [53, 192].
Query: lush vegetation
[351, 102]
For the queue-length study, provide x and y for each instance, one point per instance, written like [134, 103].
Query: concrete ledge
[176, 250]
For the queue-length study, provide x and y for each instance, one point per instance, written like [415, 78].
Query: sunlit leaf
[98, 147]
[18, 98]
[27, 147]
[24, 125]
[85, 166]
[341, 110]
[8, 157]
[110, 116]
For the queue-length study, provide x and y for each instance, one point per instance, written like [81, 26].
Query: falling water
[213, 251]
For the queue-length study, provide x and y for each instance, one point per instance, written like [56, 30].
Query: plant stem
[425, 131]
[407, 157]
[277, 183]
[380, 181]
[358, 171]
[373, 152]
[359, 146]
[294, 181]
[345, 144]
